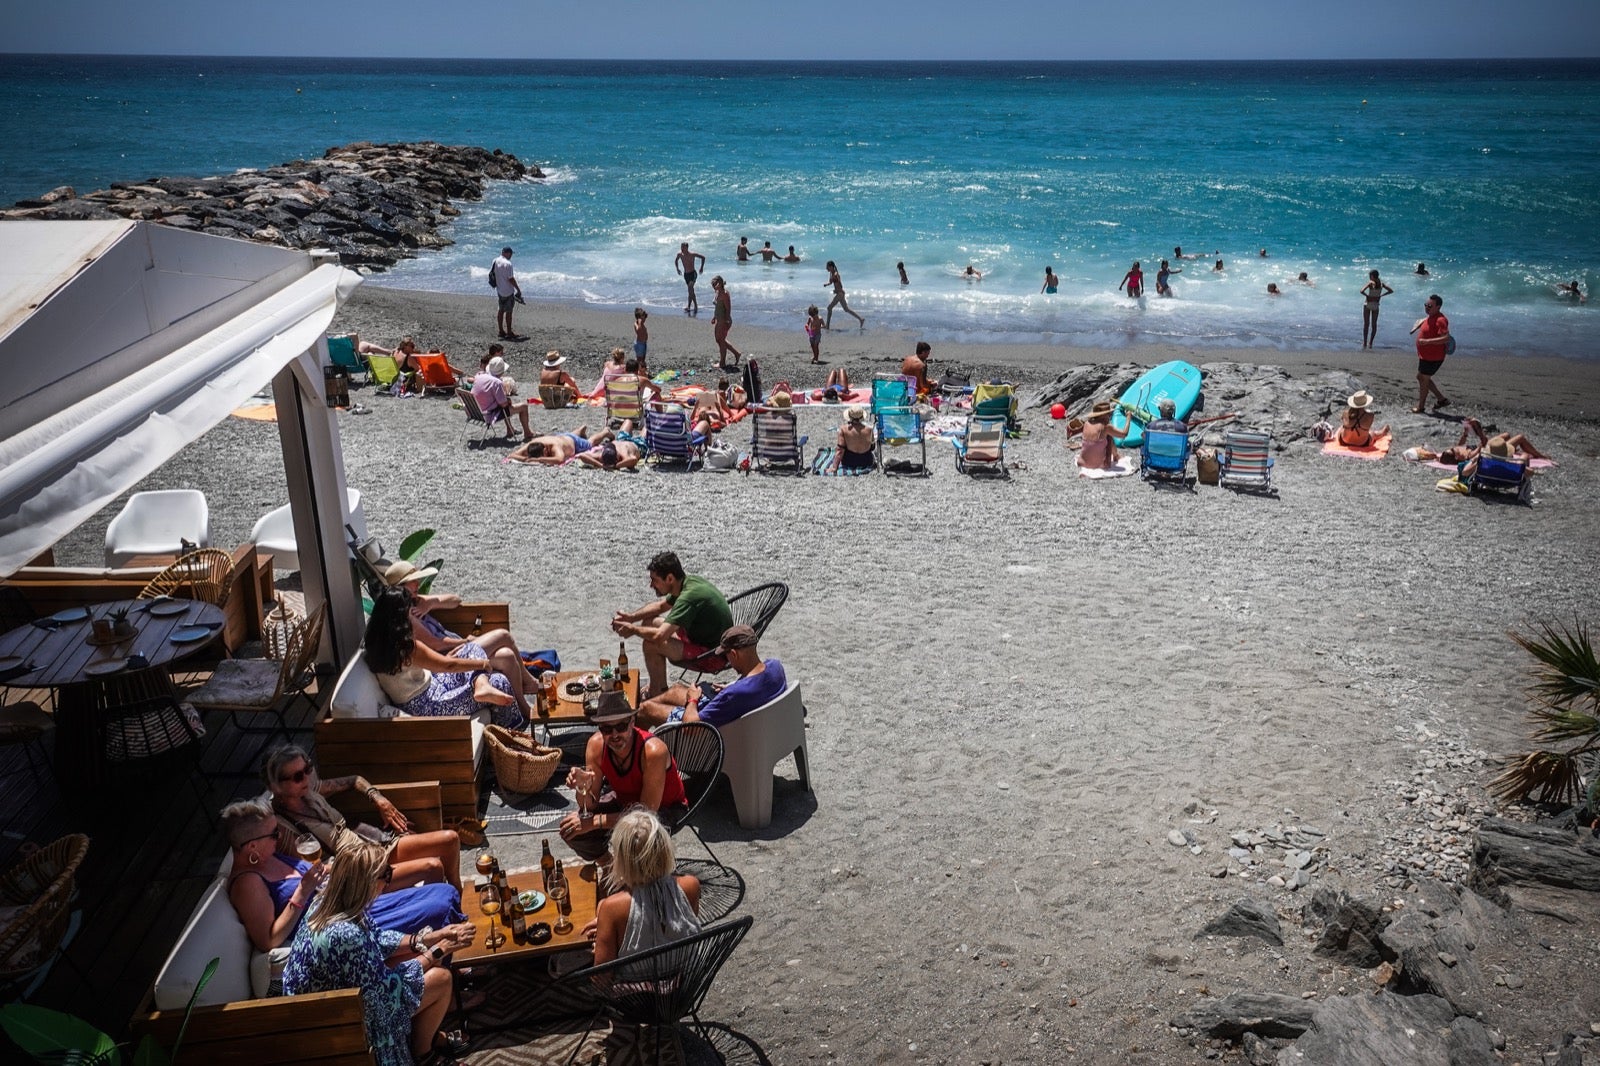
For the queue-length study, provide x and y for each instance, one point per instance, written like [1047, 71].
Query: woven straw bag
[520, 764]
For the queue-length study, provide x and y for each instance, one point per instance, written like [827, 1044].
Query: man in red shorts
[685, 623]
[1433, 343]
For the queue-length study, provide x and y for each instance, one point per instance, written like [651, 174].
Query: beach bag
[1207, 469]
[494, 282]
[1450, 344]
[520, 763]
[719, 456]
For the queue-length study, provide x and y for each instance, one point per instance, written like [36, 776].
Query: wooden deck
[151, 856]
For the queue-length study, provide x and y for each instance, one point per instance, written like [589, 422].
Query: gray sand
[1018, 689]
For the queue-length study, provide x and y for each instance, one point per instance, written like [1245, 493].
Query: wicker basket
[520, 764]
[42, 886]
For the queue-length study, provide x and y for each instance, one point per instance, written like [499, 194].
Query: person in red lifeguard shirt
[1432, 343]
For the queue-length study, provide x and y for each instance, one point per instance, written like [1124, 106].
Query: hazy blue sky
[829, 29]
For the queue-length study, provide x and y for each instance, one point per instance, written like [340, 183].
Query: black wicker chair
[662, 986]
[697, 749]
[147, 740]
[755, 608]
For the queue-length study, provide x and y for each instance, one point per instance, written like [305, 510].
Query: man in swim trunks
[791, 257]
[916, 366]
[686, 622]
[1433, 334]
[768, 252]
[615, 454]
[742, 253]
[688, 264]
[553, 449]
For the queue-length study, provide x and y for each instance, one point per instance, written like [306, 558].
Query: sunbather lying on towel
[614, 452]
[1517, 446]
[557, 448]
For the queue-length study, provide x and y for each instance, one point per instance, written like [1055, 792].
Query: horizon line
[794, 62]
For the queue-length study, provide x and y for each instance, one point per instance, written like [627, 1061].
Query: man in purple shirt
[489, 390]
[760, 682]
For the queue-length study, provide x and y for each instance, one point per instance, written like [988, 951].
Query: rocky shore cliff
[373, 204]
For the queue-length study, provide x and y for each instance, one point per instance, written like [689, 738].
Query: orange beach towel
[1376, 450]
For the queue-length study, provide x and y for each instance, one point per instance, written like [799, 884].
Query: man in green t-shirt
[686, 622]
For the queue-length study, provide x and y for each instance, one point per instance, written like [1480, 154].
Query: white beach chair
[157, 523]
[754, 743]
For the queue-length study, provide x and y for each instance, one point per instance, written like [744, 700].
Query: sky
[820, 29]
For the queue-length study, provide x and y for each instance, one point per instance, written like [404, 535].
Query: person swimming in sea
[1272, 289]
[972, 273]
[791, 257]
[1422, 270]
[1051, 282]
[1570, 291]
[1218, 268]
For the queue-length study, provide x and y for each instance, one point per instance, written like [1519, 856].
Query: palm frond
[1553, 775]
[1555, 724]
[1568, 671]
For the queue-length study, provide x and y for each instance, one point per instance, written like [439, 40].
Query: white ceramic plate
[71, 614]
[190, 634]
[166, 608]
[532, 900]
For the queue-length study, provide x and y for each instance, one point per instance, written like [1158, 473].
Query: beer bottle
[547, 865]
[500, 885]
[519, 921]
[622, 663]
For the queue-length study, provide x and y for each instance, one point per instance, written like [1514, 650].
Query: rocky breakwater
[372, 204]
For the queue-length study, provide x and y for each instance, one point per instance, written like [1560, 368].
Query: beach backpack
[1450, 344]
[494, 282]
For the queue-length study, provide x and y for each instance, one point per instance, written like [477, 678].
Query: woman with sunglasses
[634, 766]
[299, 798]
[404, 980]
[423, 682]
[270, 889]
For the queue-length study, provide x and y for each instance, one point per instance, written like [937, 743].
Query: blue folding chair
[342, 354]
[1495, 473]
[900, 430]
[1164, 456]
[775, 440]
[892, 390]
[667, 438]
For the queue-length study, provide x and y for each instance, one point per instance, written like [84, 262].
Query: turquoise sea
[1487, 171]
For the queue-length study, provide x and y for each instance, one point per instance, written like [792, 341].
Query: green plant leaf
[427, 583]
[40, 1031]
[205, 977]
[413, 544]
[149, 1053]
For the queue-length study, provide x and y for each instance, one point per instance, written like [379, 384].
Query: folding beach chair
[382, 370]
[1496, 473]
[475, 414]
[342, 354]
[667, 438]
[1245, 462]
[1164, 456]
[900, 430]
[625, 399]
[892, 390]
[437, 373]
[775, 440]
[982, 446]
[993, 399]
[954, 383]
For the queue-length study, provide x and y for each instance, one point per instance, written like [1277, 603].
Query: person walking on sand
[1166, 271]
[838, 300]
[1133, 281]
[814, 332]
[688, 264]
[641, 333]
[507, 292]
[1051, 282]
[1433, 344]
[1373, 291]
[721, 322]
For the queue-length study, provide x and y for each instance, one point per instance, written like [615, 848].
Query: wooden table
[584, 901]
[569, 709]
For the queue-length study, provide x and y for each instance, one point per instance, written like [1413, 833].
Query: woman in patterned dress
[421, 681]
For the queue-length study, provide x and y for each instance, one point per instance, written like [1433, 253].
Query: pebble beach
[1055, 725]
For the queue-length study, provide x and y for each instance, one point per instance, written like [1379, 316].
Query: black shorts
[1429, 367]
[508, 302]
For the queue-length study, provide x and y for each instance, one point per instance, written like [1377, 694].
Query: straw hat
[1360, 401]
[401, 572]
[553, 360]
[1500, 446]
[498, 367]
[1100, 410]
[856, 413]
[780, 399]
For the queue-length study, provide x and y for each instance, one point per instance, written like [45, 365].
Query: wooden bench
[323, 1028]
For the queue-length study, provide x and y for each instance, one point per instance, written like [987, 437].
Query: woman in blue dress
[404, 980]
[421, 681]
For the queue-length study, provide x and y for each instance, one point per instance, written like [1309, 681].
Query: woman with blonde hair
[404, 980]
[649, 906]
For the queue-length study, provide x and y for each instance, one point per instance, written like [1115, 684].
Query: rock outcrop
[373, 204]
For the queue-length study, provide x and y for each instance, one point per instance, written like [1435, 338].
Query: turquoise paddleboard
[1176, 381]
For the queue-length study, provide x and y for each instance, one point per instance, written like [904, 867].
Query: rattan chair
[265, 686]
[42, 886]
[146, 741]
[697, 749]
[23, 725]
[205, 575]
[662, 986]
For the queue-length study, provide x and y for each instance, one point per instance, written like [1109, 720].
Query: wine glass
[563, 898]
[491, 907]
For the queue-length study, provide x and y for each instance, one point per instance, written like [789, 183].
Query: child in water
[814, 332]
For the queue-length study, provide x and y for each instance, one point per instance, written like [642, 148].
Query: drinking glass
[491, 908]
[563, 899]
[485, 863]
[308, 848]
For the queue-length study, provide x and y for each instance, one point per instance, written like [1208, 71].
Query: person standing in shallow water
[1373, 291]
[1133, 281]
[1166, 271]
[685, 263]
[838, 297]
[1051, 282]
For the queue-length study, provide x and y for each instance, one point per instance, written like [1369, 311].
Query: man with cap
[493, 396]
[686, 622]
[551, 376]
[507, 292]
[760, 682]
[497, 646]
[628, 766]
[1168, 422]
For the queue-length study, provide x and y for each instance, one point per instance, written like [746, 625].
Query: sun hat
[401, 572]
[1100, 410]
[1360, 401]
[553, 359]
[779, 398]
[498, 367]
[1500, 446]
[737, 637]
[1167, 407]
[856, 413]
[612, 707]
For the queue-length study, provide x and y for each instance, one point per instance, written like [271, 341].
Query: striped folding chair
[1245, 462]
[667, 438]
[775, 440]
[625, 399]
[982, 446]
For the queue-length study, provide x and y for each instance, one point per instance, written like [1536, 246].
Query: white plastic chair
[274, 532]
[157, 523]
[755, 743]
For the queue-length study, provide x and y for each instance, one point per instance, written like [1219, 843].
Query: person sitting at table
[405, 981]
[685, 623]
[554, 449]
[270, 888]
[299, 798]
[760, 681]
[635, 767]
[497, 646]
[423, 683]
[649, 906]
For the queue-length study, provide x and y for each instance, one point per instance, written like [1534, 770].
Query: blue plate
[71, 614]
[531, 900]
[190, 634]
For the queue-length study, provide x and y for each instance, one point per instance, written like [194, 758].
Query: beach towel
[1533, 464]
[1375, 450]
[824, 461]
[1450, 484]
[1128, 464]
[257, 412]
[945, 427]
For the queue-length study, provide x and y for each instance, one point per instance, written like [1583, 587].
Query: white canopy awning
[122, 342]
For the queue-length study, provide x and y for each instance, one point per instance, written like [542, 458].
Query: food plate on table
[190, 634]
[531, 900]
[71, 614]
[573, 689]
[102, 669]
[167, 608]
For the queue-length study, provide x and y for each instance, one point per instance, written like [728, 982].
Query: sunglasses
[263, 836]
[610, 728]
[297, 777]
